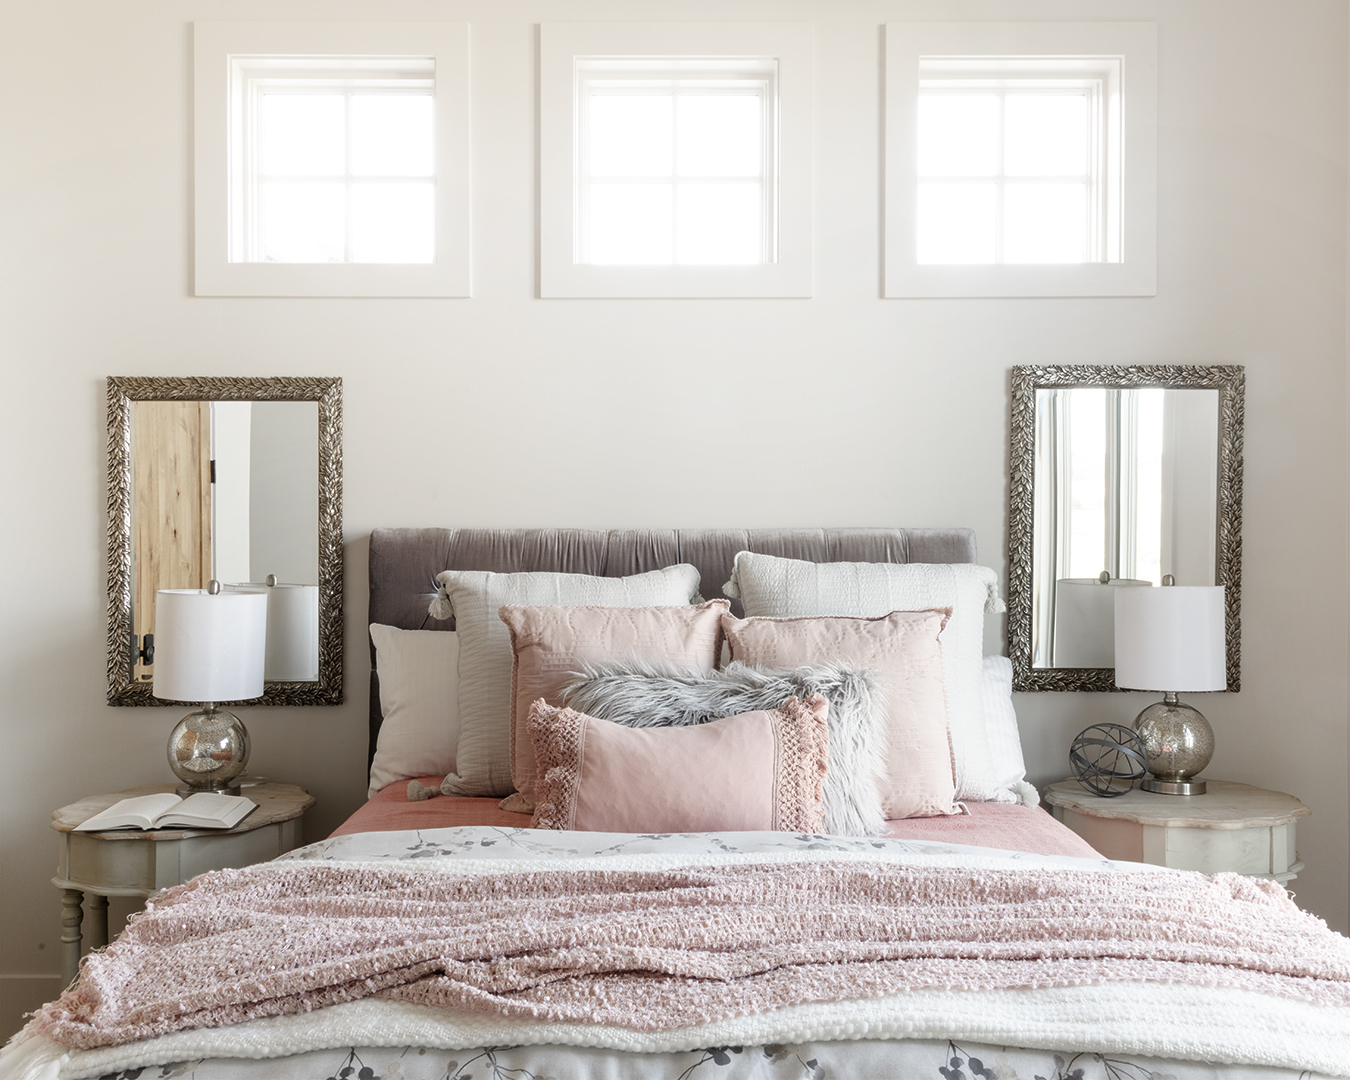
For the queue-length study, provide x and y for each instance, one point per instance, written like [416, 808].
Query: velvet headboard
[404, 562]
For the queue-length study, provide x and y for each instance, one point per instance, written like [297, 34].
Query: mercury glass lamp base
[1178, 744]
[208, 750]
[1173, 787]
[229, 789]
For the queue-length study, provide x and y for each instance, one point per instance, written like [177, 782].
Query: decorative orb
[208, 749]
[1108, 759]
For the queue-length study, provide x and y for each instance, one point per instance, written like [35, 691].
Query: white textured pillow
[785, 588]
[1000, 724]
[483, 758]
[417, 697]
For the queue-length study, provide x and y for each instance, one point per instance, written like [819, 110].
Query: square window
[332, 159]
[1013, 166]
[695, 136]
[675, 159]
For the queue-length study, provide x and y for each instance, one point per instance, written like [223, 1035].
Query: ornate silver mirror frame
[1229, 381]
[327, 392]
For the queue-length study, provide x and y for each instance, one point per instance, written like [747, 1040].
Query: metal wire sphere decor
[1108, 759]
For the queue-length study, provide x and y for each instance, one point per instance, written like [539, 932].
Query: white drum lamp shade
[1171, 638]
[209, 648]
[292, 630]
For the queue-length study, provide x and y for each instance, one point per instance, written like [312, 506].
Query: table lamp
[210, 646]
[1172, 639]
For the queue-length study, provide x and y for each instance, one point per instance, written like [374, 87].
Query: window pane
[629, 225]
[392, 135]
[1148, 492]
[1045, 223]
[303, 223]
[718, 134]
[956, 223]
[958, 134]
[719, 224]
[302, 135]
[393, 223]
[1046, 134]
[630, 135]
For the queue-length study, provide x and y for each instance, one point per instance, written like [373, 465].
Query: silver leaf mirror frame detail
[1230, 382]
[327, 392]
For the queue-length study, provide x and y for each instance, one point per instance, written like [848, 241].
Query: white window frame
[220, 116]
[910, 45]
[565, 49]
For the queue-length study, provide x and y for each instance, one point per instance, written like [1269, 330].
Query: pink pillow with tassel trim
[755, 771]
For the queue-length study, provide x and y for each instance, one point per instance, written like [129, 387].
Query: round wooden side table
[130, 862]
[1236, 827]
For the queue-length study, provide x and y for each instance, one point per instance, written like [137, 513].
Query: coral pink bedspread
[994, 825]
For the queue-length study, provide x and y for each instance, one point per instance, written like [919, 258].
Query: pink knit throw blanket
[657, 950]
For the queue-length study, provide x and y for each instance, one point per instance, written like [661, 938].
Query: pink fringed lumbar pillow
[905, 650]
[756, 771]
[552, 643]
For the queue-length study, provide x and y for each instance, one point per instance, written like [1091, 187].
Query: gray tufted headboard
[404, 562]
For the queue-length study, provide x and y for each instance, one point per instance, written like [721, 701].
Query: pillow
[904, 649]
[551, 644]
[637, 694]
[1000, 722]
[756, 771]
[417, 697]
[483, 757]
[790, 587]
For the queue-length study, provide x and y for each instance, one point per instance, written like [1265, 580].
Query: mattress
[988, 825]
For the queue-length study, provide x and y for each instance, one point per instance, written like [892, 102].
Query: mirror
[1119, 477]
[237, 480]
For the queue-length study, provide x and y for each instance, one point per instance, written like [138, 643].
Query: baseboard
[21, 994]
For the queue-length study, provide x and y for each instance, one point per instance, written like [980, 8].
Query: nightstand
[1236, 827]
[129, 862]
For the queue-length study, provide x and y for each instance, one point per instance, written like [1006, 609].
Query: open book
[204, 810]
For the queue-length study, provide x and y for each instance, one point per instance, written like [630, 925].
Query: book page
[138, 812]
[209, 810]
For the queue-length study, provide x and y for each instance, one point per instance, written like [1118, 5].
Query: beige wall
[507, 410]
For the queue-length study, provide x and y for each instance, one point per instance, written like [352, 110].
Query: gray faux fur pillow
[638, 694]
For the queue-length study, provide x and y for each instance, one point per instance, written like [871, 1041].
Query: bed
[446, 939]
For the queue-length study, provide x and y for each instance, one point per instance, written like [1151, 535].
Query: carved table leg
[71, 914]
[98, 921]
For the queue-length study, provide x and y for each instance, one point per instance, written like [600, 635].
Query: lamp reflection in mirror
[292, 629]
[1172, 639]
[210, 646]
[1085, 620]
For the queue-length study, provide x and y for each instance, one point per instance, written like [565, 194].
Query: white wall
[506, 410]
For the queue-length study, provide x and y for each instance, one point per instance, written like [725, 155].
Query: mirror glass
[1119, 477]
[1126, 492]
[230, 490]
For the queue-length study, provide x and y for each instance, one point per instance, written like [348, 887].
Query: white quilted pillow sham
[768, 585]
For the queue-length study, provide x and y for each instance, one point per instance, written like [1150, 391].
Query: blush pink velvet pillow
[552, 644]
[904, 649]
[755, 771]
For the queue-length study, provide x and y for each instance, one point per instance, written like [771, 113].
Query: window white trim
[564, 45]
[216, 123]
[1136, 272]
